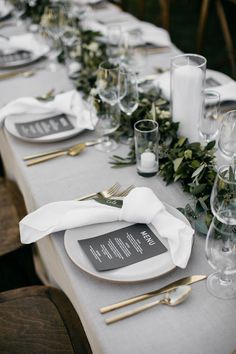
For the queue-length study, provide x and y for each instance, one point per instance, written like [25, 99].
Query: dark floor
[17, 270]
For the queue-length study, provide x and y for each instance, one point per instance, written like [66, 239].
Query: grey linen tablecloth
[202, 325]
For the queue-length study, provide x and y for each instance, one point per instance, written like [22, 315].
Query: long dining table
[202, 324]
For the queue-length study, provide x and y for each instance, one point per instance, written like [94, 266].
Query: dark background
[184, 17]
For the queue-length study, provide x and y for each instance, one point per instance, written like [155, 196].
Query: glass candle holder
[188, 72]
[209, 120]
[146, 137]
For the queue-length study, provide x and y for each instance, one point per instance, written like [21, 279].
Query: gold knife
[87, 143]
[183, 281]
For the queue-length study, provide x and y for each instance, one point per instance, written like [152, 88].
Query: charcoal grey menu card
[122, 247]
[43, 127]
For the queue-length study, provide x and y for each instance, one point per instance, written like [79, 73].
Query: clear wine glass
[108, 82]
[128, 100]
[220, 245]
[128, 92]
[209, 120]
[227, 136]
[106, 120]
[53, 24]
[19, 10]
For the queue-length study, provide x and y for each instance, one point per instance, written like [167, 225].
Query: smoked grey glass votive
[146, 137]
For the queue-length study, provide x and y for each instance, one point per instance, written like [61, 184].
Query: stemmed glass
[19, 10]
[108, 82]
[209, 120]
[108, 91]
[220, 245]
[227, 137]
[128, 94]
[106, 120]
[53, 23]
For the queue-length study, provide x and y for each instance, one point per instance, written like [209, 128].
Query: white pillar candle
[187, 86]
[147, 161]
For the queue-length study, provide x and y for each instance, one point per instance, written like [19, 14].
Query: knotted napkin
[24, 42]
[69, 103]
[140, 206]
[227, 91]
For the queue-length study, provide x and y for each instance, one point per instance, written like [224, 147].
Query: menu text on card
[44, 127]
[122, 247]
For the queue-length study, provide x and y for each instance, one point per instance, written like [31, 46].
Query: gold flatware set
[71, 151]
[166, 289]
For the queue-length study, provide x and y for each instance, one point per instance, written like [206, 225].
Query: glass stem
[224, 279]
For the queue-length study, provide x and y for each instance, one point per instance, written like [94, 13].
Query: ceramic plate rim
[68, 244]
[36, 55]
[12, 119]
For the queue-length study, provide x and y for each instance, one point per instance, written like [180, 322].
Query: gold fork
[107, 193]
[124, 193]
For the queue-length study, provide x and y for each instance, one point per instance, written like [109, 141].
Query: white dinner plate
[15, 60]
[148, 269]
[5, 11]
[11, 120]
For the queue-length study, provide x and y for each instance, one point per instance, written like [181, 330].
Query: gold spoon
[73, 151]
[172, 298]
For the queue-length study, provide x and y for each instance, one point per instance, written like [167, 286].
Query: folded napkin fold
[69, 103]
[24, 42]
[227, 91]
[140, 206]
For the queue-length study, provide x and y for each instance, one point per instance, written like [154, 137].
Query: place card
[14, 57]
[44, 127]
[122, 247]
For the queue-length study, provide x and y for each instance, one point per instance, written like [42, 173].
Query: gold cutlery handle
[31, 157]
[124, 303]
[9, 75]
[130, 313]
[87, 196]
[46, 158]
[183, 281]
[86, 144]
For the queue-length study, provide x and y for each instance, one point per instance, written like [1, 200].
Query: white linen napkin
[69, 103]
[25, 41]
[150, 34]
[227, 91]
[140, 206]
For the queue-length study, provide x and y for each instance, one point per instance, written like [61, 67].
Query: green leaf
[200, 226]
[177, 162]
[198, 189]
[198, 170]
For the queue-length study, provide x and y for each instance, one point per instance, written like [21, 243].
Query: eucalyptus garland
[190, 164]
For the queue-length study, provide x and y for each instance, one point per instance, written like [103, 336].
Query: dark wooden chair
[12, 209]
[204, 12]
[40, 320]
[164, 9]
[16, 260]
